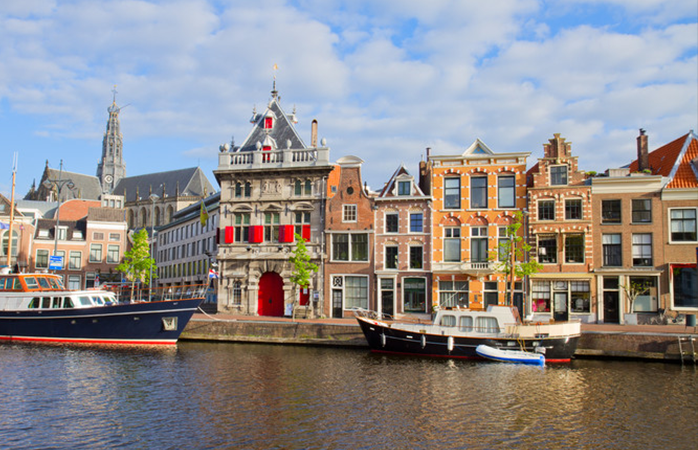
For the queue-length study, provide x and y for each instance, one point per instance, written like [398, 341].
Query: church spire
[111, 167]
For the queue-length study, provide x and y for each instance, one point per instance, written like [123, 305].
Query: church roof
[182, 182]
[86, 187]
[281, 135]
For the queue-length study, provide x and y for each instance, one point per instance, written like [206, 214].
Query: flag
[203, 216]
[96, 280]
[212, 273]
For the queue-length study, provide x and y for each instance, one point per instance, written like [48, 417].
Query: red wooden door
[271, 295]
[304, 296]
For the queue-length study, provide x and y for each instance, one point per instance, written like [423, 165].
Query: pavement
[350, 321]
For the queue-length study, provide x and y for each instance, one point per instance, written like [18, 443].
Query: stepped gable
[274, 137]
[677, 161]
[174, 183]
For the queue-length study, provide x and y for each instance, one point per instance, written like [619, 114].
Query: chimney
[643, 158]
[313, 133]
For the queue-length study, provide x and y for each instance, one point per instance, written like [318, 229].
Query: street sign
[55, 263]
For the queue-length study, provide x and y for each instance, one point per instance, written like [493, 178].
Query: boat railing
[127, 293]
[375, 315]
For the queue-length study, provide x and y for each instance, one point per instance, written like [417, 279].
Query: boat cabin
[494, 320]
[31, 282]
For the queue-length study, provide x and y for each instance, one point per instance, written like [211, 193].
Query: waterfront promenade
[648, 342]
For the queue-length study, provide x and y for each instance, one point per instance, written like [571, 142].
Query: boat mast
[12, 212]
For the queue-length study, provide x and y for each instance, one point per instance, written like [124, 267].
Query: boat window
[43, 282]
[2, 282]
[31, 282]
[85, 301]
[448, 321]
[57, 302]
[35, 303]
[487, 325]
[55, 284]
[16, 285]
[465, 323]
[68, 303]
[97, 300]
[46, 303]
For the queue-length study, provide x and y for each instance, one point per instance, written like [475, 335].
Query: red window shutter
[229, 235]
[266, 148]
[305, 232]
[256, 234]
[286, 233]
[267, 122]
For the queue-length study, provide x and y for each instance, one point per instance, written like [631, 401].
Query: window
[114, 237]
[478, 244]
[41, 259]
[248, 189]
[540, 296]
[574, 248]
[558, 175]
[546, 210]
[647, 300]
[302, 219]
[416, 257]
[271, 227]
[580, 298]
[404, 188]
[62, 233]
[96, 253]
[573, 209]
[478, 192]
[415, 295]
[350, 247]
[642, 249]
[112, 254]
[298, 188]
[610, 211]
[96, 236]
[242, 227]
[683, 225]
[308, 187]
[349, 213]
[416, 222]
[237, 293]
[268, 122]
[503, 245]
[507, 192]
[391, 257]
[685, 283]
[642, 210]
[451, 244]
[74, 282]
[355, 292]
[612, 249]
[453, 293]
[391, 222]
[547, 249]
[75, 261]
[452, 193]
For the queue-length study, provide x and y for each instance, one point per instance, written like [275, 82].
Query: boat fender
[424, 341]
[450, 343]
[382, 339]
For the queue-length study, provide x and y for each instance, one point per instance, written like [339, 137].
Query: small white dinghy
[512, 356]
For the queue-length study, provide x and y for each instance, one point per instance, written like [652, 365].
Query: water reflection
[207, 395]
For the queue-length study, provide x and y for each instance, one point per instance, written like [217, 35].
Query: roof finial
[274, 92]
[115, 92]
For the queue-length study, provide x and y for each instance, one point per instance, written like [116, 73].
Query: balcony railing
[464, 267]
[274, 159]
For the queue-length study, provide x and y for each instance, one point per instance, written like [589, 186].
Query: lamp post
[58, 184]
[153, 199]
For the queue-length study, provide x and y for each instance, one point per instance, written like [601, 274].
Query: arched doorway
[270, 301]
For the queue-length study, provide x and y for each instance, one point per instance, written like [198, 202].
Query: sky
[384, 78]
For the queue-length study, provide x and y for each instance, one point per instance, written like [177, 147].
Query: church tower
[111, 167]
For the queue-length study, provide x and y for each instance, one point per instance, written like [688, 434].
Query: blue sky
[385, 79]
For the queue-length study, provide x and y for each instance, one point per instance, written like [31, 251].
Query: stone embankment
[647, 342]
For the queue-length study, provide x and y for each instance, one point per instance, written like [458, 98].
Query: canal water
[247, 396]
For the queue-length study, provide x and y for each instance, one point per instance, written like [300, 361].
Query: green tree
[303, 269]
[511, 256]
[138, 264]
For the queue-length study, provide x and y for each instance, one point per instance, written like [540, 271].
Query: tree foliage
[138, 262]
[303, 269]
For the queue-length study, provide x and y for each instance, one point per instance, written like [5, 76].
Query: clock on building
[108, 178]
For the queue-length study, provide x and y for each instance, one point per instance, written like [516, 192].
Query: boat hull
[153, 323]
[385, 339]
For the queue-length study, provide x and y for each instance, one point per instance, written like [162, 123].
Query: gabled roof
[182, 182]
[478, 148]
[676, 161]
[401, 172]
[74, 185]
[279, 136]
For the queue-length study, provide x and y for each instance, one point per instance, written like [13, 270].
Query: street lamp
[153, 199]
[58, 184]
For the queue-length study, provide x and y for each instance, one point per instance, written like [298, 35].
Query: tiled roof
[674, 161]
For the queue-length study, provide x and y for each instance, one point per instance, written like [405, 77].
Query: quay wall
[658, 346]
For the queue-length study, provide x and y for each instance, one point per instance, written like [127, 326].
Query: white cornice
[618, 185]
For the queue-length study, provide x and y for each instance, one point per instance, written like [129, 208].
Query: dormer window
[404, 188]
[268, 122]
